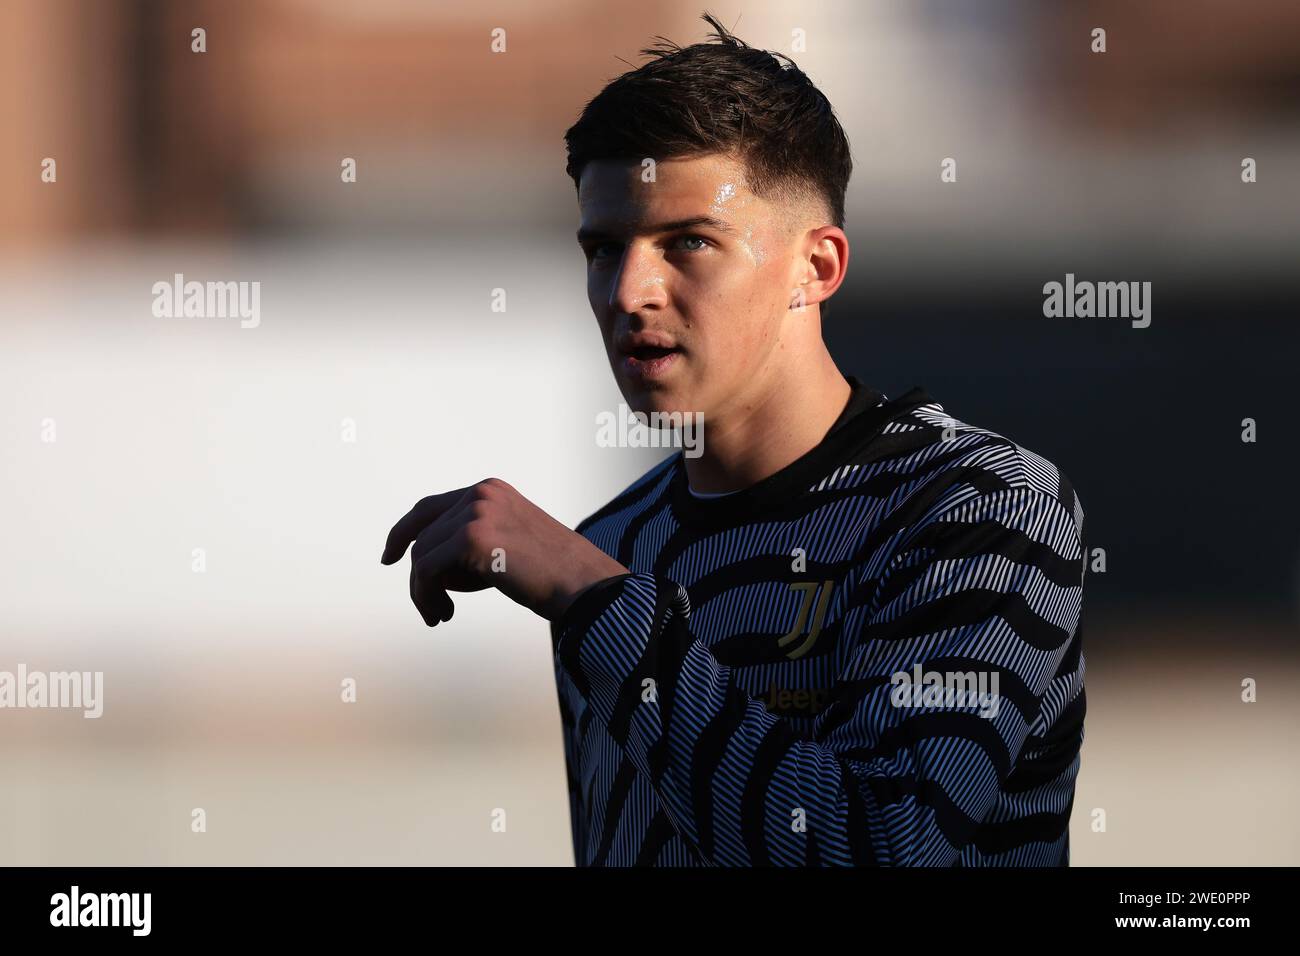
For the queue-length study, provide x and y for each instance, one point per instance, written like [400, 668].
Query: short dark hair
[723, 97]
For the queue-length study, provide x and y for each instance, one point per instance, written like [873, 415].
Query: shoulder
[962, 472]
[638, 497]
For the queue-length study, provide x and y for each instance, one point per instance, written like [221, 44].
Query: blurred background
[222, 688]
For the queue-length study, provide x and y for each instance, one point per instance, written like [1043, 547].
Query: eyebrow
[585, 235]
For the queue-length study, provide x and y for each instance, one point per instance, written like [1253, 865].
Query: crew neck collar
[865, 414]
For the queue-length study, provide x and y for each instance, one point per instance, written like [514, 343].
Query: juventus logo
[810, 589]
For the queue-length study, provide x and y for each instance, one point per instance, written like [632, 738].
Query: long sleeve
[891, 773]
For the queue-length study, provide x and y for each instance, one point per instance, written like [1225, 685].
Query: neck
[767, 428]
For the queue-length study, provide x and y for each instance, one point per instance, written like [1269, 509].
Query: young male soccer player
[849, 631]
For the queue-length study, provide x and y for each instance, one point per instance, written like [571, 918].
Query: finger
[442, 558]
[411, 523]
[441, 528]
[434, 604]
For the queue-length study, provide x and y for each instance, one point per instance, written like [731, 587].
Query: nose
[641, 280]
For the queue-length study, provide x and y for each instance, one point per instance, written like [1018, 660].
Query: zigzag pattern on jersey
[948, 545]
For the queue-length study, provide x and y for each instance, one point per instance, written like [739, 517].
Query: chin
[665, 399]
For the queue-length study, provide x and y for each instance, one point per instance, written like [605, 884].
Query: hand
[489, 535]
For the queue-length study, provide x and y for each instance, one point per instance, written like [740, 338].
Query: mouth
[647, 362]
[648, 353]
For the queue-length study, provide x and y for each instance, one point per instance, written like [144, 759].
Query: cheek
[595, 288]
[766, 306]
[743, 313]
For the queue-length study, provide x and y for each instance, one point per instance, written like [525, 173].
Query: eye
[593, 250]
[693, 238]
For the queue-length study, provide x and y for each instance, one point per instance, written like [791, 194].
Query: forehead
[714, 184]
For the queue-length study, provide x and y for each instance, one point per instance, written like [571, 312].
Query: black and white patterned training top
[871, 657]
